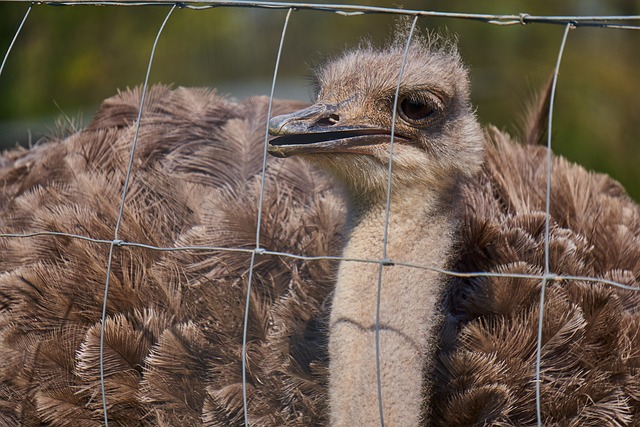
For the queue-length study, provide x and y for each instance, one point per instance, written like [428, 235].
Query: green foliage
[68, 59]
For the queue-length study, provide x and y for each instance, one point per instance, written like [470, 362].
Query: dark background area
[68, 59]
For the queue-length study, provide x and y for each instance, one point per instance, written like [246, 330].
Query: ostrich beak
[320, 129]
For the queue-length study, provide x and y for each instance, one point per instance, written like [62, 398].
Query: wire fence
[568, 22]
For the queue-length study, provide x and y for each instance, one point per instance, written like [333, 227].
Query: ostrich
[445, 214]
[454, 351]
[439, 145]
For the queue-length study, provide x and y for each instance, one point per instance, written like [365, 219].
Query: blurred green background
[68, 59]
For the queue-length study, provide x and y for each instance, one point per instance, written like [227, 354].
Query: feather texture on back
[589, 359]
[173, 331]
[174, 321]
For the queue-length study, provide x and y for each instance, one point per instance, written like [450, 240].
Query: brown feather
[173, 332]
[535, 123]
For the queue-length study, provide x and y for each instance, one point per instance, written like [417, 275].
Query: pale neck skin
[420, 231]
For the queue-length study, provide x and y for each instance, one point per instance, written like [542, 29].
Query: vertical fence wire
[15, 36]
[116, 241]
[385, 238]
[257, 249]
[547, 272]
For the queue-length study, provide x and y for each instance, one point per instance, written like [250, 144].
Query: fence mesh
[629, 22]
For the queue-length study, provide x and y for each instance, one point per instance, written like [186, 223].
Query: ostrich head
[347, 131]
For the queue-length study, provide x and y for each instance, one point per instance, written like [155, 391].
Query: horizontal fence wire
[263, 251]
[629, 22]
[348, 9]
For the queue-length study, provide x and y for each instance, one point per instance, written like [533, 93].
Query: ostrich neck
[419, 232]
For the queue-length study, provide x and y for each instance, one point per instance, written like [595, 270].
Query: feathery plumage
[173, 332]
[174, 318]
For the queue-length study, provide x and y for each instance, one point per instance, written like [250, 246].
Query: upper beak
[320, 129]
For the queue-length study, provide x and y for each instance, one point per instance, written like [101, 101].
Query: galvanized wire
[547, 218]
[385, 237]
[116, 241]
[15, 36]
[257, 249]
[605, 21]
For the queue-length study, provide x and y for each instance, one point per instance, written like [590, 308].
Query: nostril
[330, 120]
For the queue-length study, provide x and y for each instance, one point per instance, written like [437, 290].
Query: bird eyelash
[424, 97]
[416, 96]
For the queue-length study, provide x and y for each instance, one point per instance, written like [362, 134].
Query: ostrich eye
[418, 111]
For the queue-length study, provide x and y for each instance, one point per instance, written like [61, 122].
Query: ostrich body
[454, 351]
[173, 332]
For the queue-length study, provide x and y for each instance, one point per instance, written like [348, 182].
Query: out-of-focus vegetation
[68, 59]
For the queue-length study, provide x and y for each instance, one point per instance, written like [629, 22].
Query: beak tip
[276, 151]
[276, 126]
